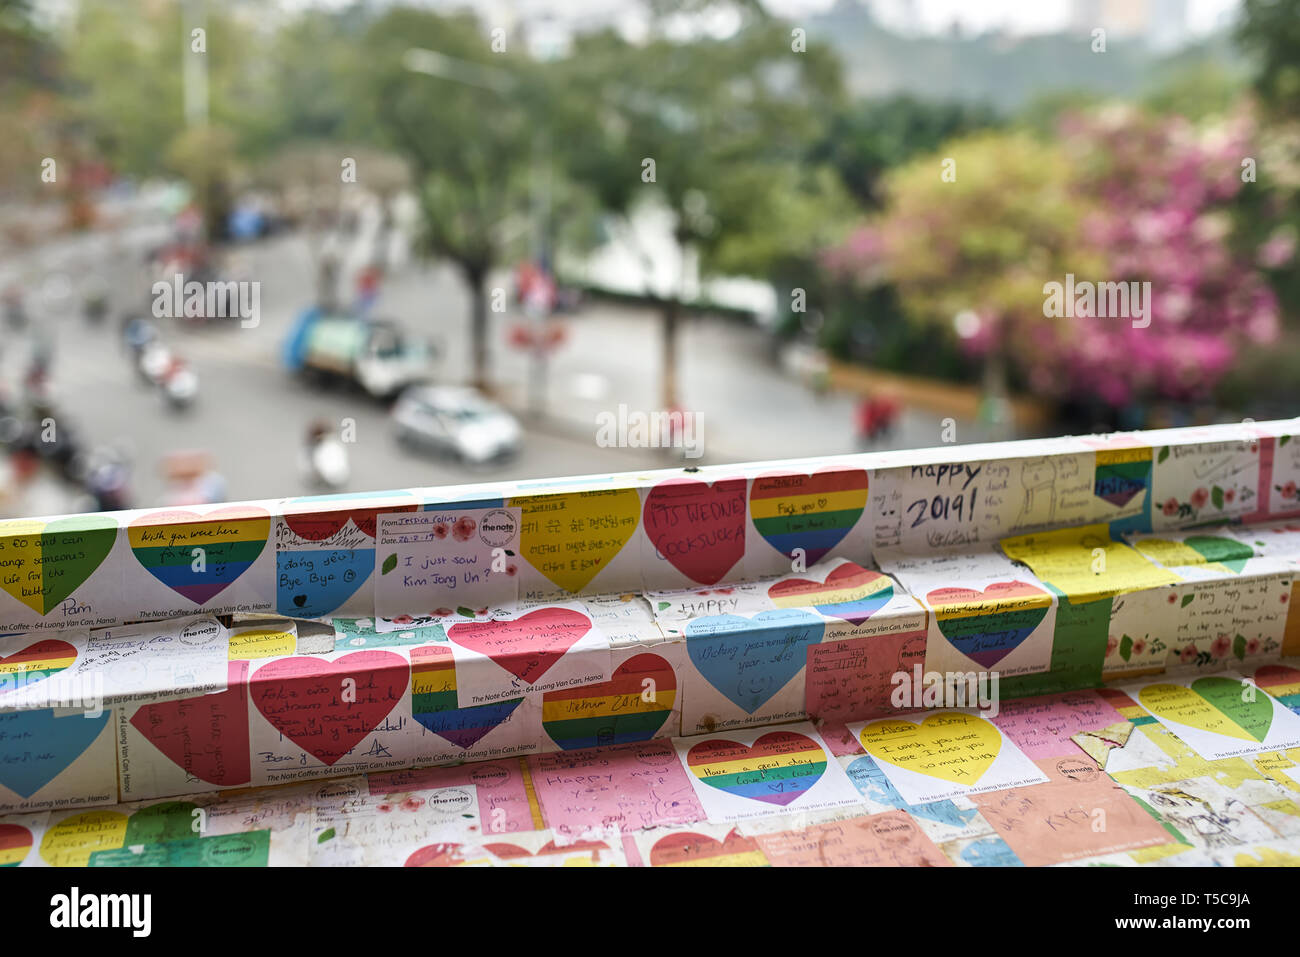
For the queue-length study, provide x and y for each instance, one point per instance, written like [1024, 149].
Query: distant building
[1162, 24]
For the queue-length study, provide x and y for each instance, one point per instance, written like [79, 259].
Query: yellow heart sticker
[71, 842]
[570, 538]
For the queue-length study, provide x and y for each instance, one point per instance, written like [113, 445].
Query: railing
[511, 618]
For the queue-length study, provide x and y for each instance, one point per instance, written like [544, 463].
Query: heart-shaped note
[166, 821]
[750, 659]
[507, 851]
[812, 512]
[438, 855]
[311, 582]
[70, 842]
[316, 526]
[613, 712]
[1281, 681]
[206, 735]
[1226, 551]
[688, 849]
[697, 527]
[1217, 705]
[35, 663]
[303, 698]
[778, 768]
[315, 582]
[15, 843]
[526, 646]
[1119, 476]
[42, 563]
[951, 746]
[199, 556]
[434, 701]
[38, 746]
[849, 592]
[988, 625]
[570, 538]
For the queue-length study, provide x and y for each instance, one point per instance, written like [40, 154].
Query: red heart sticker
[328, 707]
[697, 527]
[206, 735]
[526, 646]
[318, 526]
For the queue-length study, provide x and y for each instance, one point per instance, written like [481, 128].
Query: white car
[457, 420]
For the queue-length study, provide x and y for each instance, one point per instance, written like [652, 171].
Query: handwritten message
[586, 794]
[445, 562]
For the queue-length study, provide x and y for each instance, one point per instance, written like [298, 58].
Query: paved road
[252, 415]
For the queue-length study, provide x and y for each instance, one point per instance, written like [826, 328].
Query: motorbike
[327, 464]
[153, 362]
[104, 473]
[179, 384]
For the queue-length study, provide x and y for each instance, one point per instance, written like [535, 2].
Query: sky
[974, 16]
[1017, 17]
[1014, 16]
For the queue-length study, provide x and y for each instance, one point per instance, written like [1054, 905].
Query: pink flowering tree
[1119, 196]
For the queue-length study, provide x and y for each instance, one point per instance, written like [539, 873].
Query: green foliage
[865, 139]
[469, 148]
[1269, 30]
[726, 123]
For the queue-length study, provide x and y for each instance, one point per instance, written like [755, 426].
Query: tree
[865, 139]
[1269, 208]
[34, 118]
[470, 148]
[125, 66]
[712, 129]
[1270, 31]
[1023, 212]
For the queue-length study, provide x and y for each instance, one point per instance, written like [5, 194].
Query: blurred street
[252, 413]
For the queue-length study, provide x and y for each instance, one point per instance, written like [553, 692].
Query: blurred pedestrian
[192, 479]
[368, 281]
[29, 488]
[14, 311]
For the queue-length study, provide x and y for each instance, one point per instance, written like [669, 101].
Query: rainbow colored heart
[35, 663]
[988, 625]
[778, 768]
[617, 711]
[199, 556]
[812, 512]
[1120, 475]
[15, 843]
[849, 592]
[435, 706]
